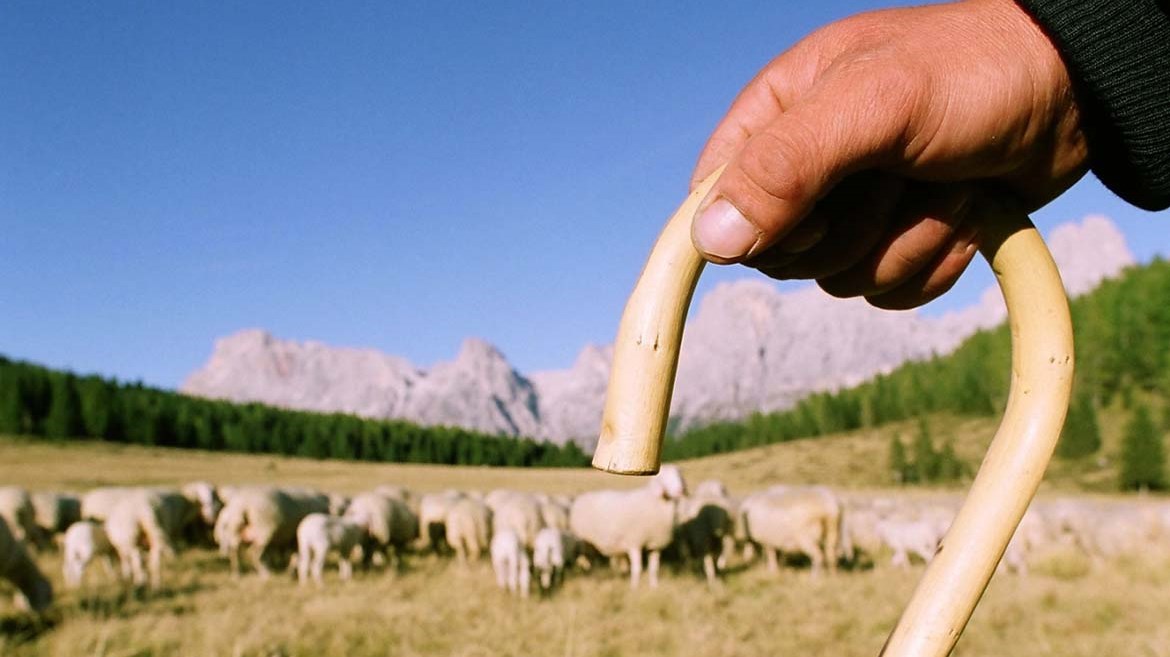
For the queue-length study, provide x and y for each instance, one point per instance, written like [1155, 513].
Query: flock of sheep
[526, 534]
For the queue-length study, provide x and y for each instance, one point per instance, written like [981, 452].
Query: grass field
[1067, 607]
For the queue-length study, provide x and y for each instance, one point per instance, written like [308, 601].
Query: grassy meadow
[1066, 607]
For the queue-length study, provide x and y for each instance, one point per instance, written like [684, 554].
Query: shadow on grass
[25, 627]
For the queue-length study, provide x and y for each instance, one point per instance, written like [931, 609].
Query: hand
[854, 157]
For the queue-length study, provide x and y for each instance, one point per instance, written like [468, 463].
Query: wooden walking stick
[646, 357]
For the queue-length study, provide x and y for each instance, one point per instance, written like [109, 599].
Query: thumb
[848, 122]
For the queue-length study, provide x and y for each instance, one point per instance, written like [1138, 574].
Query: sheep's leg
[709, 569]
[137, 572]
[652, 566]
[319, 555]
[345, 568]
[635, 556]
[256, 552]
[303, 565]
[749, 552]
[155, 567]
[728, 549]
[773, 560]
[525, 578]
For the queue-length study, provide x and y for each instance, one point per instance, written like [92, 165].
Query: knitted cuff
[1118, 56]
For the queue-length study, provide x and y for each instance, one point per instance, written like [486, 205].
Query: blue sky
[393, 175]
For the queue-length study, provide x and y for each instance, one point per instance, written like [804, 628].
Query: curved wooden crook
[646, 352]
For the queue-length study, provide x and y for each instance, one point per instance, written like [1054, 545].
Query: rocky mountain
[747, 347]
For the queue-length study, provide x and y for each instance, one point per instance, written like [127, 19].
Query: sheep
[703, 524]
[16, 566]
[554, 512]
[468, 523]
[338, 503]
[84, 541]
[510, 562]
[266, 520]
[713, 492]
[97, 503]
[518, 512]
[16, 508]
[390, 526]
[54, 513]
[553, 551]
[798, 519]
[205, 498]
[432, 517]
[317, 534]
[138, 520]
[615, 523]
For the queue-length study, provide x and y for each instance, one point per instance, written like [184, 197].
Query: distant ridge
[749, 347]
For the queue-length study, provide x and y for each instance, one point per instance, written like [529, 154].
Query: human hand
[855, 158]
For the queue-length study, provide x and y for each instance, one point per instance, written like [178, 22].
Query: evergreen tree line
[37, 401]
[927, 464]
[1122, 332]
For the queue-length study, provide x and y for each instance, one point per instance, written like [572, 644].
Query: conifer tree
[1082, 434]
[899, 467]
[1142, 454]
[925, 458]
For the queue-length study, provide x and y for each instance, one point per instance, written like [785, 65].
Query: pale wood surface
[646, 358]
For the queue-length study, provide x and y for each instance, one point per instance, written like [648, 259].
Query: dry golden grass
[438, 608]
[434, 607]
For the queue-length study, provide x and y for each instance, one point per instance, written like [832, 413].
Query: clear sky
[394, 175]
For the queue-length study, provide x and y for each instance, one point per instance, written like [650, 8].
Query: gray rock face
[748, 347]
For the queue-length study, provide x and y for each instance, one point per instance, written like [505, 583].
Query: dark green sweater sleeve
[1118, 55]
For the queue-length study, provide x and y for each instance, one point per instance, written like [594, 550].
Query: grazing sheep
[338, 503]
[615, 523]
[703, 525]
[319, 533]
[17, 510]
[389, 525]
[554, 550]
[432, 518]
[85, 541]
[803, 520]
[468, 523]
[97, 503]
[554, 512]
[510, 563]
[518, 512]
[54, 513]
[16, 566]
[139, 520]
[265, 519]
[205, 498]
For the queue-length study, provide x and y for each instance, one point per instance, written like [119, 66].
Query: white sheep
[265, 519]
[135, 521]
[805, 520]
[390, 526]
[16, 566]
[84, 541]
[627, 523]
[510, 563]
[554, 512]
[518, 512]
[468, 524]
[17, 510]
[317, 535]
[54, 513]
[432, 518]
[554, 550]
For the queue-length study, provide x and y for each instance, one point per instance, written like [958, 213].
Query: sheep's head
[669, 482]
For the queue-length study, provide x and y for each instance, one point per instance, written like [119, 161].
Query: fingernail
[967, 239]
[723, 232]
